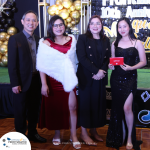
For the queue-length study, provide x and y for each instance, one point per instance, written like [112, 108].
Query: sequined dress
[122, 84]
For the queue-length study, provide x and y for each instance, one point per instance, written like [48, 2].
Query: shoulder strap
[135, 43]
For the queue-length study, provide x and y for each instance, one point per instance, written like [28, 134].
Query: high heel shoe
[129, 146]
[75, 144]
[56, 141]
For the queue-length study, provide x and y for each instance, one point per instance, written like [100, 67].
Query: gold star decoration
[2, 8]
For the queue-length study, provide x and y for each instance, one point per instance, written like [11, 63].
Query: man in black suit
[24, 78]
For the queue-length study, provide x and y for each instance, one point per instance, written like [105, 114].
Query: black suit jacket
[88, 59]
[20, 65]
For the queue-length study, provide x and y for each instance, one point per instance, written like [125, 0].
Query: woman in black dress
[93, 52]
[123, 85]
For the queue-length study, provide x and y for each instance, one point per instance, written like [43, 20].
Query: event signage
[137, 10]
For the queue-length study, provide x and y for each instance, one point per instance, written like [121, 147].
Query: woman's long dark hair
[88, 32]
[50, 33]
[131, 34]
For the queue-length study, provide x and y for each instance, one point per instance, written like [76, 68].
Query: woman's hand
[111, 66]
[126, 67]
[99, 75]
[45, 90]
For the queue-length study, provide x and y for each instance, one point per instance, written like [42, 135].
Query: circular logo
[14, 141]
[144, 116]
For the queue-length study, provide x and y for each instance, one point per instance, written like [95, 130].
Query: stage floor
[7, 125]
[143, 77]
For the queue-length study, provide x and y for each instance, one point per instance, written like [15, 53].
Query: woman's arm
[44, 89]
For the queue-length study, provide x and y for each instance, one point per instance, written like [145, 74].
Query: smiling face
[123, 28]
[30, 23]
[58, 27]
[95, 26]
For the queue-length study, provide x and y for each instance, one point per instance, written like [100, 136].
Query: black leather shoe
[37, 138]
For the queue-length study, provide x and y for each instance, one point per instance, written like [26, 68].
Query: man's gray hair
[30, 11]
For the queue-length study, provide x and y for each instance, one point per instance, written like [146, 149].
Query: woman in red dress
[56, 61]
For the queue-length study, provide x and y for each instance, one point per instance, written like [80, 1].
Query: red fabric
[54, 114]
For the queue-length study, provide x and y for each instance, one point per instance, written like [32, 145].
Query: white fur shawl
[60, 66]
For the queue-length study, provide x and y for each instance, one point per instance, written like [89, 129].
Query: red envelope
[117, 61]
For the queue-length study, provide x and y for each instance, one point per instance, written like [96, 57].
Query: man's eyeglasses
[56, 25]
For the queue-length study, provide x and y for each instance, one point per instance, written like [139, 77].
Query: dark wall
[23, 6]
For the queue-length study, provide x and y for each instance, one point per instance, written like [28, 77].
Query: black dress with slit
[122, 84]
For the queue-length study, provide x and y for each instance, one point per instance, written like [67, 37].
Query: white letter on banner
[118, 2]
[104, 2]
[111, 2]
[123, 2]
[133, 2]
[129, 2]
[103, 12]
[129, 12]
[117, 13]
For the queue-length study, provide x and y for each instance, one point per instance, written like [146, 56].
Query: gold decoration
[6, 54]
[3, 49]
[75, 14]
[7, 37]
[60, 7]
[51, 10]
[68, 19]
[4, 60]
[3, 36]
[66, 3]
[64, 13]
[76, 20]
[5, 43]
[69, 25]
[58, 2]
[0, 56]
[73, 22]
[1, 64]
[65, 22]
[12, 31]
[57, 12]
[1, 43]
[72, 8]
[77, 5]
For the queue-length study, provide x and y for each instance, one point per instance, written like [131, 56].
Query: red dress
[54, 113]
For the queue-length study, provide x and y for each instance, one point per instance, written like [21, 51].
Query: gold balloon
[4, 60]
[72, 8]
[1, 43]
[77, 5]
[57, 12]
[7, 37]
[60, 7]
[3, 36]
[68, 19]
[6, 54]
[1, 64]
[58, 2]
[12, 31]
[0, 56]
[3, 49]
[65, 22]
[52, 9]
[66, 3]
[75, 14]
[5, 43]
[73, 22]
[76, 21]
[64, 13]
[69, 25]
